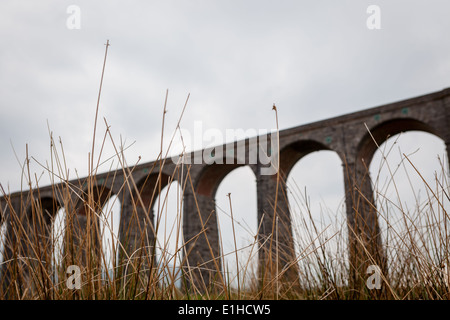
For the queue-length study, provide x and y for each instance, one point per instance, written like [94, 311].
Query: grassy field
[40, 247]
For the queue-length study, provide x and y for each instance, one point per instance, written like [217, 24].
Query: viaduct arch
[351, 136]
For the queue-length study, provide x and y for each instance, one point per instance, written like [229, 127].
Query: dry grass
[37, 254]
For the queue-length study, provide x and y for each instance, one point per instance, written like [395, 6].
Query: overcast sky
[314, 59]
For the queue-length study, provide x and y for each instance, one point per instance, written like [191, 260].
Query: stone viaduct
[138, 186]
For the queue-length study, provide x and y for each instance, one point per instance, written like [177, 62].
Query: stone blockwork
[138, 187]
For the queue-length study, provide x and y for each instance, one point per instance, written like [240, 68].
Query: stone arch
[316, 198]
[211, 177]
[408, 208]
[109, 222]
[29, 235]
[200, 220]
[3, 230]
[207, 183]
[362, 215]
[137, 232]
[44, 209]
[40, 215]
[148, 189]
[383, 131]
[58, 230]
[290, 156]
[269, 192]
[241, 184]
[295, 151]
[367, 147]
[168, 223]
[93, 199]
[83, 225]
